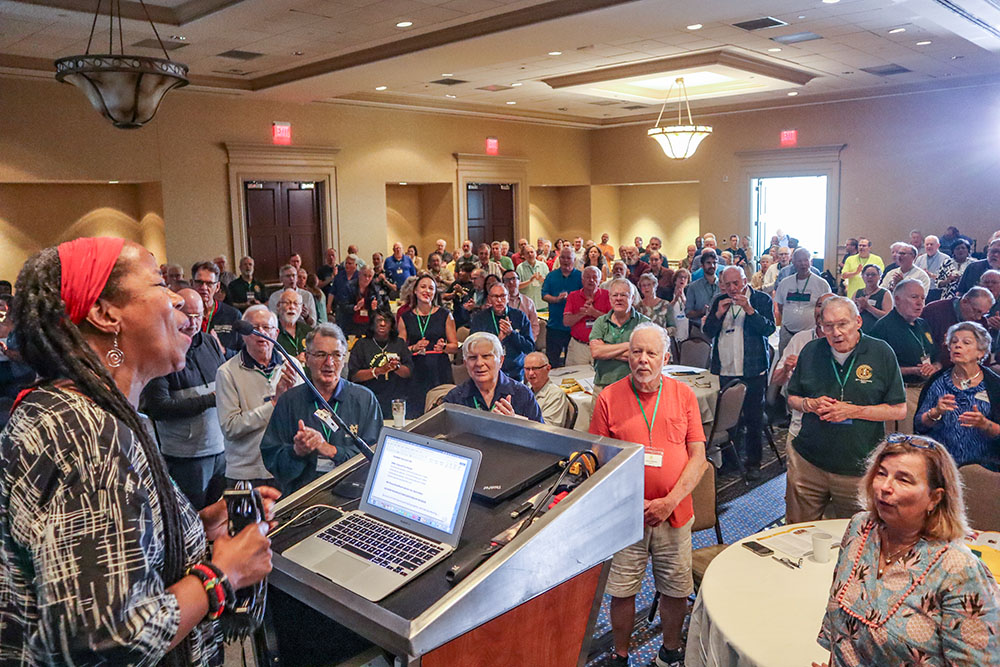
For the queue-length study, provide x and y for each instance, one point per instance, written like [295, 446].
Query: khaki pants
[578, 354]
[912, 403]
[812, 493]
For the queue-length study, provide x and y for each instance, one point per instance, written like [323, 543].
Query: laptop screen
[420, 483]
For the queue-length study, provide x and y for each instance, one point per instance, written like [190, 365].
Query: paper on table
[796, 543]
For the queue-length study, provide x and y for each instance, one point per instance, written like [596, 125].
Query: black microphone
[244, 328]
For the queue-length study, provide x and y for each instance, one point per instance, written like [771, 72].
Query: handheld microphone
[244, 328]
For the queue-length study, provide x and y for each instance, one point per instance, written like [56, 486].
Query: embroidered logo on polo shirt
[864, 373]
[354, 428]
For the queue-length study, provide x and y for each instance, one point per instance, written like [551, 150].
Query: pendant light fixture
[679, 141]
[125, 89]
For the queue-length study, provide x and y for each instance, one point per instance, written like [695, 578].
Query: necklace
[894, 556]
[968, 382]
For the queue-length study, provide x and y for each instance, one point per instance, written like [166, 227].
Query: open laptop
[411, 516]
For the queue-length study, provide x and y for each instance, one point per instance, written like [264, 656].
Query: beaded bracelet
[213, 589]
[227, 585]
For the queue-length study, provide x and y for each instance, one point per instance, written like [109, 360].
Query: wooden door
[490, 213]
[283, 218]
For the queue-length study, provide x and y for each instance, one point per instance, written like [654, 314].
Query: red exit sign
[281, 133]
[492, 146]
[789, 138]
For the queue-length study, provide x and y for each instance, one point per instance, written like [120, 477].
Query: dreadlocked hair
[54, 347]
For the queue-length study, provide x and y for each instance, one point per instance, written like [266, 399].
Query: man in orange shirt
[662, 414]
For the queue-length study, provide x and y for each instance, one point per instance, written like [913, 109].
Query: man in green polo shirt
[909, 337]
[846, 385]
[610, 333]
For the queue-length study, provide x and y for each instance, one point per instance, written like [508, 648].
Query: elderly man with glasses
[510, 325]
[487, 387]
[246, 388]
[219, 317]
[292, 330]
[289, 276]
[846, 385]
[302, 440]
[553, 401]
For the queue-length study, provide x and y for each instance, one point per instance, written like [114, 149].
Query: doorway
[490, 213]
[793, 205]
[283, 218]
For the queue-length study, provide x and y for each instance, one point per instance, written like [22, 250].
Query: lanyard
[798, 290]
[923, 348]
[422, 325]
[207, 326]
[327, 433]
[620, 330]
[477, 406]
[842, 381]
[649, 423]
[496, 324]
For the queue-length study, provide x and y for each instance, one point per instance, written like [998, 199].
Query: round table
[704, 384]
[753, 611]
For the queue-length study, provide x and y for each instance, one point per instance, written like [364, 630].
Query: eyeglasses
[266, 329]
[528, 369]
[322, 356]
[911, 440]
[191, 316]
[204, 283]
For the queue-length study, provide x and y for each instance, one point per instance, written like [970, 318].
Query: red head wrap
[86, 266]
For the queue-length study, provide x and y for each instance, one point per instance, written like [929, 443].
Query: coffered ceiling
[587, 63]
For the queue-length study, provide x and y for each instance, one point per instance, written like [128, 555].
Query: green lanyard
[842, 381]
[422, 325]
[327, 433]
[208, 320]
[621, 332]
[475, 404]
[923, 348]
[496, 324]
[798, 290]
[649, 424]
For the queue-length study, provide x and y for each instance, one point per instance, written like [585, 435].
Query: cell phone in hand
[757, 548]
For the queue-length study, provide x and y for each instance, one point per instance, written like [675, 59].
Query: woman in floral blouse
[906, 591]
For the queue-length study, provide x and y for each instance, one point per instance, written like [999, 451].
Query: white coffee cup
[821, 546]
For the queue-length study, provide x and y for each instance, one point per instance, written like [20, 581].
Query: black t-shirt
[325, 272]
[239, 290]
[910, 342]
[368, 354]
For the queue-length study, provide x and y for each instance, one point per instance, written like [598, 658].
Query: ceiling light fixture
[896, 31]
[695, 26]
[447, 75]
[381, 87]
[403, 183]
[516, 85]
[511, 102]
[125, 89]
[555, 53]
[404, 24]
[774, 50]
[924, 42]
[793, 93]
[679, 142]
[179, 38]
[830, 2]
[450, 95]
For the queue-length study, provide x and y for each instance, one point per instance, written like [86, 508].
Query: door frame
[474, 168]
[266, 162]
[805, 161]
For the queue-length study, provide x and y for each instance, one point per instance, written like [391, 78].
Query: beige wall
[545, 215]
[559, 212]
[35, 216]
[605, 216]
[669, 211]
[403, 220]
[50, 133]
[420, 213]
[437, 208]
[923, 160]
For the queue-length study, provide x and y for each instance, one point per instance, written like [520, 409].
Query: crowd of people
[143, 375]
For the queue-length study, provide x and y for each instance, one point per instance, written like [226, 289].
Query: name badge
[680, 316]
[846, 422]
[399, 271]
[589, 324]
[982, 396]
[324, 416]
[925, 359]
[802, 298]
[363, 313]
[654, 458]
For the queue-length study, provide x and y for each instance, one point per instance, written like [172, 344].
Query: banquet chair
[728, 408]
[695, 352]
[706, 516]
[435, 395]
[571, 414]
[982, 502]
[459, 372]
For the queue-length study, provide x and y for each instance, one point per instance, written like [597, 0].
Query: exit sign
[789, 138]
[281, 133]
[492, 146]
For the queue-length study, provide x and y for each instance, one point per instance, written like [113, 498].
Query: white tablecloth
[704, 384]
[752, 611]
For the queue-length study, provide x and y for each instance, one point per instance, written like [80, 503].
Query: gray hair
[594, 268]
[903, 284]
[982, 336]
[286, 267]
[902, 245]
[980, 293]
[326, 330]
[743, 274]
[801, 251]
[646, 277]
[932, 236]
[483, 336]
[841, 301]
[646, 326]
[260, 308]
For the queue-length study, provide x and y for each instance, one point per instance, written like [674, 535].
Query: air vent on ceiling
[886, 70]
[449, 82]
[169, 45]
[493, 88]
[236, 54]
[796, 37]
[604, 103]
[635, 107]
[760, 24]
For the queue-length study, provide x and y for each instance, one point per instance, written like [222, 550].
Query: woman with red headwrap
[102, 559]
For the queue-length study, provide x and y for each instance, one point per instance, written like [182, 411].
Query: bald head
[194, 308]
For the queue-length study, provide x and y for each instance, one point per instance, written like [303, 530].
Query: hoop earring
[115, 357]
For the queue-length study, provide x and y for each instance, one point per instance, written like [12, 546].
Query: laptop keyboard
[380, 543]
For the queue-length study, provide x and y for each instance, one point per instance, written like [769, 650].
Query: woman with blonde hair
[906, 590]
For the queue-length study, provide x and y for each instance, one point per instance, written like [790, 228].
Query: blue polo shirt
[556, 283]
[516, 345]
[521, 398]
[399, 270]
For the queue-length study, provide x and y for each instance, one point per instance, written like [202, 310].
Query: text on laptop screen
[419, 483]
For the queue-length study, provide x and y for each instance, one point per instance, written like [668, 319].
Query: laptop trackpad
[341, 567]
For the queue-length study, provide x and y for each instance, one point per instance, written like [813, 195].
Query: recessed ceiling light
[924, 43]
[450, 95]
[448, 74]
[112, 182]
[896, 31]
[774, 50]
[407, 24]
[830, 2]
[511, 102]
[802, 16]
[695, 26]
[515, 85]
[793, 93]
[402, 183]
[555, 53]
[179, 38]
[381, 87]
[296, 53]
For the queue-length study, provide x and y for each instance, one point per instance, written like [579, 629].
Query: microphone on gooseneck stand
[353, 484]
